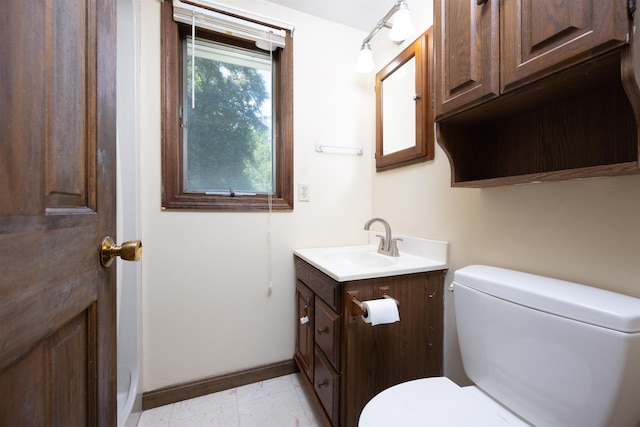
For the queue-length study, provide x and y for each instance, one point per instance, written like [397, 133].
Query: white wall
[582, 230]
[207, 309]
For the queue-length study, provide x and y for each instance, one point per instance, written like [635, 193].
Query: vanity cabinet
[348, 361]
[530, 90]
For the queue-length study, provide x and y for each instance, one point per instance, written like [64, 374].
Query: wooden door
[466, 50]
[57, 201]
[541, 37]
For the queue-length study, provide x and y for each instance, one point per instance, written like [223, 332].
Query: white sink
[363, 257]
[345, 263]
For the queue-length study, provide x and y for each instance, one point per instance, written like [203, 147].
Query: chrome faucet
[388, 245]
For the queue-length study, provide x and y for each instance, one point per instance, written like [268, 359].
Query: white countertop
[344, 263]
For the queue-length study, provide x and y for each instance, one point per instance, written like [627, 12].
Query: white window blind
[204, 17]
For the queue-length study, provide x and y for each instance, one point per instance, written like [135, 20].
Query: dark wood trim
[189, 390]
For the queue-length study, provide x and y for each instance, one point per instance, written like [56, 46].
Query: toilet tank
[555, 353]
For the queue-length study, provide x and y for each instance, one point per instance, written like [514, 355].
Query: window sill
[227, 203]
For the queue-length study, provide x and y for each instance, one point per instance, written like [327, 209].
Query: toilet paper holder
[359, 309]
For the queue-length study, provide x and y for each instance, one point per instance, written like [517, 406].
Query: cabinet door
[327, 333]
[539, 37]
[304, 339]
[467, 54]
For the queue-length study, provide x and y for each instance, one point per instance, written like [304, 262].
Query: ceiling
[360, 14]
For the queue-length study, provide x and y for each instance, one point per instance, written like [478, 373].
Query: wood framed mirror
[404, 115]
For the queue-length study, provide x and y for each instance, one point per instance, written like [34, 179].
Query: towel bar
[359, 149]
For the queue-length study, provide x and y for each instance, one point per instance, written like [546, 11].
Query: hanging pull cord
[270, 192]
[193, 61]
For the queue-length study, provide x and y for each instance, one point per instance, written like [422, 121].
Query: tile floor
[279, 402]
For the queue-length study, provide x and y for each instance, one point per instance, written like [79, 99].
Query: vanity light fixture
[401, 29]
[365, 62]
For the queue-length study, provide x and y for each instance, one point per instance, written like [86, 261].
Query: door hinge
[631, 8]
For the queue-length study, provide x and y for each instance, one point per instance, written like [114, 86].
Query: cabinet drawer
[321, 284]
[326, 385]
[327, 333]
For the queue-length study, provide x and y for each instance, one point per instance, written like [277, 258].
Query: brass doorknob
[129, 251]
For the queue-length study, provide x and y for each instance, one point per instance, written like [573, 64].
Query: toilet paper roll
[381, 311]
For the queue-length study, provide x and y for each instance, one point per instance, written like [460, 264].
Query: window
[227, 124]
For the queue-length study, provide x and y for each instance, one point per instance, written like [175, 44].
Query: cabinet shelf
[576, 124]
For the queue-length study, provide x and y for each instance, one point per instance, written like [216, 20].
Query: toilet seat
[436, 401]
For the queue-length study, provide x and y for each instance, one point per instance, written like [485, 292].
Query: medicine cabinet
[404, 117]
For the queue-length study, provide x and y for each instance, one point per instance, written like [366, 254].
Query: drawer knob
[322, 331]
[322, 383]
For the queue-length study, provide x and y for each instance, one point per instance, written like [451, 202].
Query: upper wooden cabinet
[535, 90]
[486, 49]
[540, 37]
[467, 54]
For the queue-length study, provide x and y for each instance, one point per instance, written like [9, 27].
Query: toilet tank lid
[572, 300]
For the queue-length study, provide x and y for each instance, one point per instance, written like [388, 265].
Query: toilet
[539, 351]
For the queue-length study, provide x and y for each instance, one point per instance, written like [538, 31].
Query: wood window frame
[173, 195]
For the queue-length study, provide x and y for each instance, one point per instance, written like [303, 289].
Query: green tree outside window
[228, 133]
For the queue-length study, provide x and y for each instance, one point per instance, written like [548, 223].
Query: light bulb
[402, 27]
[365, 62]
